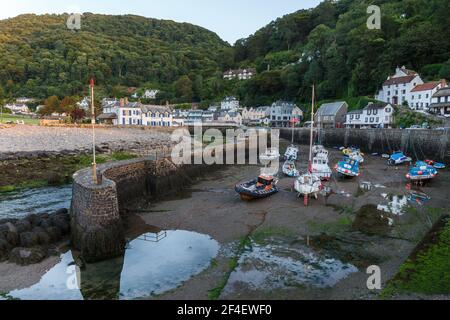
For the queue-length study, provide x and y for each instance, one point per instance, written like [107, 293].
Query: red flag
[92, 82]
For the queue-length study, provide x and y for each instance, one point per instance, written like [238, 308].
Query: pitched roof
[425, 87]
[330, 109]
[399, 80]
[376, 106]
[444, 92]
[409, 72]
[355, 112]
[152, 108]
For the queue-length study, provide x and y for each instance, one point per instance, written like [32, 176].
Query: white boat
[291, 153]
[318, 148]
[271, 154]
[309, 183]
[290, 170]
[320, 166]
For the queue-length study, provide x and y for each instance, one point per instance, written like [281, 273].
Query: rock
[29, 239]
[33, 219]
[13, 238]
[62, 223]
[54, 233]
[23, 226]
[5, 247]
[11, 227]
[45, 223]
[61, 211]
[27, 256]
[42, 235]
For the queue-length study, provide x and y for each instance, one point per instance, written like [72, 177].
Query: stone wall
[97, 230]
[419, 144]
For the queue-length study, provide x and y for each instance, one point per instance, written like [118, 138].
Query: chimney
[126, 100]
[122, 102]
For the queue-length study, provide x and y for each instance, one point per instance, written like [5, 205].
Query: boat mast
[312, 132]
[293, 126]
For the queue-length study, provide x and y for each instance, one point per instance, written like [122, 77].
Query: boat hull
[248, 195]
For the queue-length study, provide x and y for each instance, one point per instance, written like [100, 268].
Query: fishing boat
[289, 169]
[309, 183]
[263, 187]
[397, 158]
[271, 154]
[356, 155]
[319, 149]
[320, 167]
[421, 172]
[435, 164]
[348, 167]
[348, 151]
[292, 151]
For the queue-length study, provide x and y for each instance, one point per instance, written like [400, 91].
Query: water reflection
[277, 266]
[148, 268]
[396, 204]
[20, 204]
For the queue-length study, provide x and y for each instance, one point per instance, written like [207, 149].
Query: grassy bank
[427, 271]
[26, 174]
[14, 118]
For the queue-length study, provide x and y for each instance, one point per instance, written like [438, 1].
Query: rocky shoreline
[32, 239]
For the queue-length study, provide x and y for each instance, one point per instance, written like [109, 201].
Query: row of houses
[406, 87]
[123, 112]
[336, 115]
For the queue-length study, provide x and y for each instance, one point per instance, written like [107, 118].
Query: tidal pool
[276, 266]
[22, 203]
[152, 264]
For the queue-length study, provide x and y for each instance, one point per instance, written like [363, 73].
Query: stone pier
[97, 230]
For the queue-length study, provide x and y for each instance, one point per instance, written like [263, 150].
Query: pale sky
[230, 19]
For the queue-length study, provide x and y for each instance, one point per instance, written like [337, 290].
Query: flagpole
[94, 163]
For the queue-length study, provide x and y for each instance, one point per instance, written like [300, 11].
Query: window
[389, 93]
[412, 98]
[367, 120]
[369, 112]
[420, 96]
[124, 113]
[427, 96]
[375, 112]
[378, 119]
[371, 119]
[403, 91]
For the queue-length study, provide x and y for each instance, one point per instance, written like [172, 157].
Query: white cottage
[396, 89]
[156, 116]
[375, 115]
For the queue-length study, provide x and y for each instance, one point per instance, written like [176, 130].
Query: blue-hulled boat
[435, 164]
[348, 167]
[398, 158]
[421, 172]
